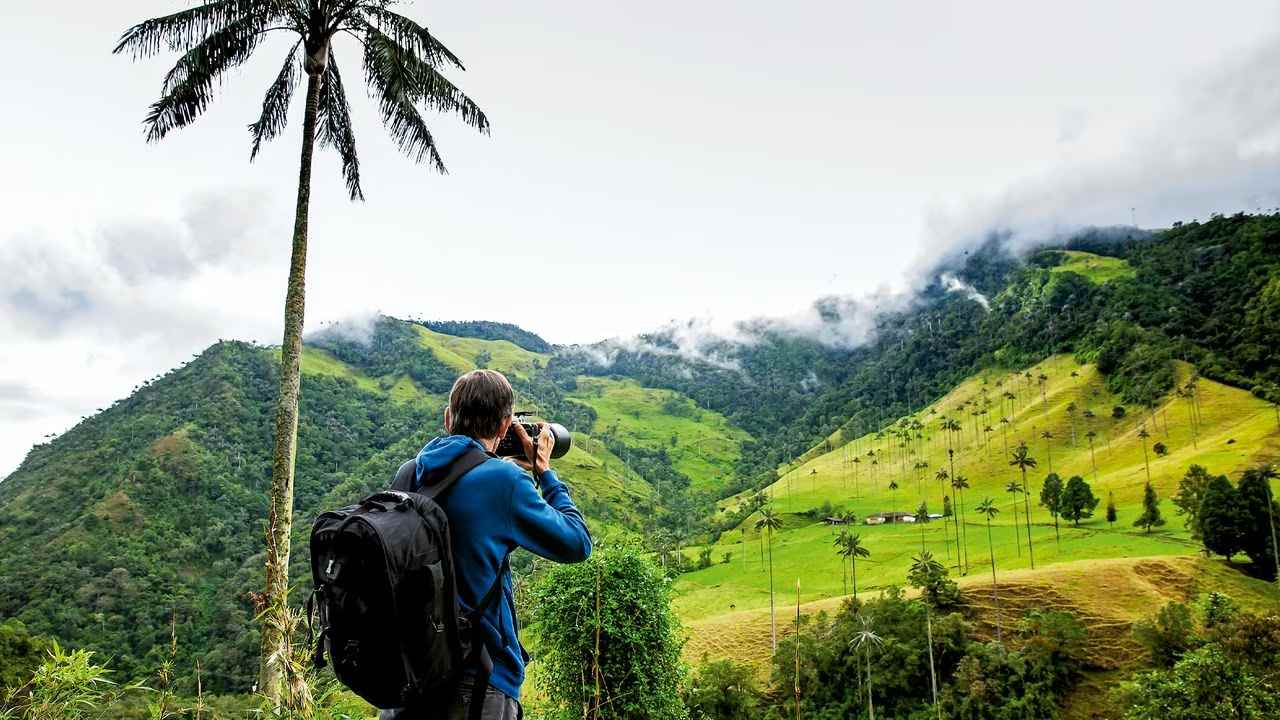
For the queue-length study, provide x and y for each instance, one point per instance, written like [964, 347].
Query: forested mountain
[153, 508]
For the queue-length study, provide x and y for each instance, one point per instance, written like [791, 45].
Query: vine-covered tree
[403, 65]
[621, 658]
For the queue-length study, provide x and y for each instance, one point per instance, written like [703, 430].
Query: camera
[510, 445]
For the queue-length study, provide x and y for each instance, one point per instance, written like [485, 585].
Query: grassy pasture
[1235, 430]
[706, 445]
[1097, 268]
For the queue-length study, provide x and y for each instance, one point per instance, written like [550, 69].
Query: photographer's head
[480, 406]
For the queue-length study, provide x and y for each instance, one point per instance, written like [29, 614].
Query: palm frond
[413, 37]
[396, 104]
[185, 29]
[335, 126]
[188, 87]
[275, 104]
[422, 82]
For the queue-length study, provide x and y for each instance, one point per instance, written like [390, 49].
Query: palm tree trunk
[995, 592]
[280, 516]
[933, 674]
[853, 569]
[1145, 462]
[1026, 500]
[773, 621]
[871, 710]
[1017, 537]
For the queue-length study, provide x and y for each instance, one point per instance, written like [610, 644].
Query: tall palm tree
[403, 66]
[838, 543]
[1146, 461]
[1021, 459]
[1014, 489]
[863, 640]
[854, 549]
[961, 483]
[941, 476]
[1093, 459]
[988, 508]
[770, 522]
[1071, 414]
[1047, 435]
[893, 488]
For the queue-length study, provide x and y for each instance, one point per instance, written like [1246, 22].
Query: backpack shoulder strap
[437, 482]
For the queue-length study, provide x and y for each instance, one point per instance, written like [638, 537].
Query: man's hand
[537, 456]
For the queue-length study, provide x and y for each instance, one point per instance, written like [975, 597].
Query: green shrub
[609, 642]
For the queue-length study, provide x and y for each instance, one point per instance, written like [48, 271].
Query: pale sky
[649, 162]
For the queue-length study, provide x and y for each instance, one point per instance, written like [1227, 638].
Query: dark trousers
[497, 706]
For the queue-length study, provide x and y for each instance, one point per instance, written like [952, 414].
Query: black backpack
[386, 596]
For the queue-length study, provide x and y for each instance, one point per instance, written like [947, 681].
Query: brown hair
[479, 402]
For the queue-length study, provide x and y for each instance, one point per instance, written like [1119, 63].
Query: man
[493, 509]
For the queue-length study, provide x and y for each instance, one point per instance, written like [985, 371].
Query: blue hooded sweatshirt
[492, 510]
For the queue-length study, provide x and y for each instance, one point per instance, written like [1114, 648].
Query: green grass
[706, 444]
[461, 353]
[1099, 269]
[615, 494]
[803, 548]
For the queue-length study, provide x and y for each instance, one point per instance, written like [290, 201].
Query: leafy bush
[1169, 635]
[609, 642]
[722, 690]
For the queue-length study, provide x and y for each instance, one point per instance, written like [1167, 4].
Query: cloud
[357, 328]
[951, 283]
[132, 277]
[1216, 150]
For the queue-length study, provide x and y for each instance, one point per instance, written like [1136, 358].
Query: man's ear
[504, 427]
[448, 420]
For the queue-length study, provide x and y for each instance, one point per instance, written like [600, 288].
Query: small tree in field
[620, 658]
[1150, 516]
[1078, 500]
[1051, 499]
[1111, 508]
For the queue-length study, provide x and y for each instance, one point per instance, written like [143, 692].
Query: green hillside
[701, 443]
[1235, 430]
[1097, 268]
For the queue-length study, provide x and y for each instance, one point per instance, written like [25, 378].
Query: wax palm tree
[1021, 459]
[1013, 488]
[854, 549]
[961, 483]
[1146, 461]
[838, 543]
[942, 476]
[988, 509]
[856, 462]
[1047, 436]
[1071, 414]
[770, 522]
[1093, 459]
[893, 488]
[403, 66]
[863, 640]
